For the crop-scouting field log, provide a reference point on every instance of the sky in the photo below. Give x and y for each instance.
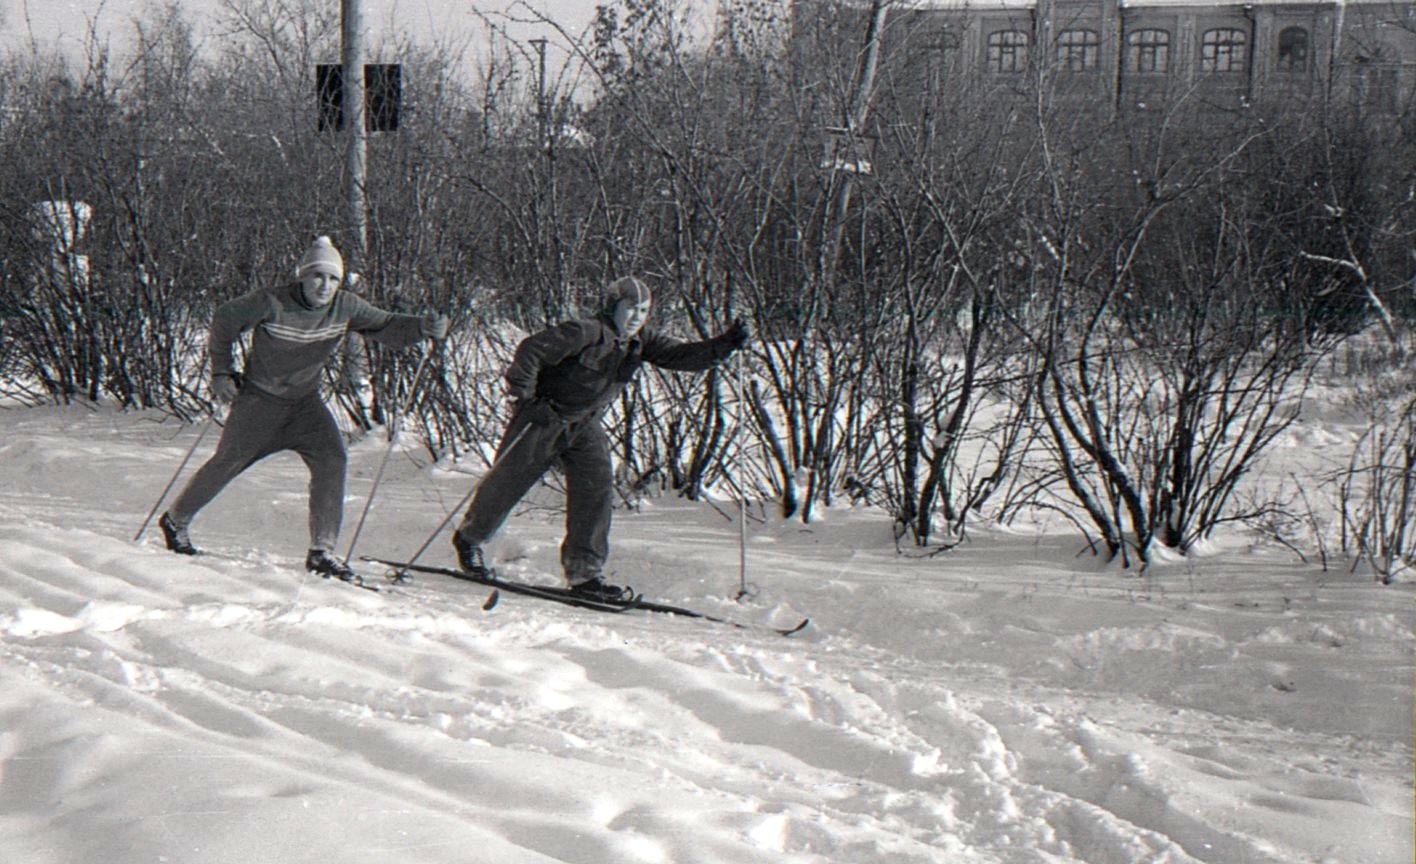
(65, 23)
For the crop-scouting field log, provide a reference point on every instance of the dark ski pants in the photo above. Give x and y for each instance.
(583, 451)
(260, 425)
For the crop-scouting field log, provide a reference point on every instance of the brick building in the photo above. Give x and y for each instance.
(1140, 54)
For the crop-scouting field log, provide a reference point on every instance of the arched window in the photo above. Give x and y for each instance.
(1222, 50)
(1293, 49)
(1148, 51)
(1007, 51)
(1078, 50)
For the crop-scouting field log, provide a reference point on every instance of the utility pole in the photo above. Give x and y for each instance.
(542, 112)
(549, 211)
(857, 113)
(352, 58)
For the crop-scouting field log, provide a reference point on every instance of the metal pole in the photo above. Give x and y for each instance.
(394, 421)
(462, 505)
(863, 87)
(178, 473)
(742, 488)
(542, 108)
(352, 35)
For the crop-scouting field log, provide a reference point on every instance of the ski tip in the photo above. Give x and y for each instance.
(490, 603)
(798, 628)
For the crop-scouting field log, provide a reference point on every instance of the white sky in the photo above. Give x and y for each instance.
(66, 23)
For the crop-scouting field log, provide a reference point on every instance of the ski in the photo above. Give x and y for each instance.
(356, 580)
(670, 609)
(489, 579)
(565, 595)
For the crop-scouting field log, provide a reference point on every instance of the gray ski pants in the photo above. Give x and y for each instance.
(260, 425)
(583, 451)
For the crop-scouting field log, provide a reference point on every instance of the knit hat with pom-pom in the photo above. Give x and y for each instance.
(321, 257)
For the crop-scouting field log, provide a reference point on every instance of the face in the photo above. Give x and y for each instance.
(630, 317)
(319, 287)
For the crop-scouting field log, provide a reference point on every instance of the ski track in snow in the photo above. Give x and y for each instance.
(991, 707)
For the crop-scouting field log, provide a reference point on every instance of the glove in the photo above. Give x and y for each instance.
(736, 336)
(224, 388)
(354, 282)
(539, 412)
(435, 326)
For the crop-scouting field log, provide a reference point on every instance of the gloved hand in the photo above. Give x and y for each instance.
(354, 282)
(539, 412)
(736, 336)
(435, 326)
(224, 388)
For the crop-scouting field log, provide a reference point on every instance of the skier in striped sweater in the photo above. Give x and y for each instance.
(276, 403)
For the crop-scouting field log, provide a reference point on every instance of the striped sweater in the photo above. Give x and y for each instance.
(292, 341)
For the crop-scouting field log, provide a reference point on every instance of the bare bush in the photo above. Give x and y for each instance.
(1049, 306)
(1378, 495)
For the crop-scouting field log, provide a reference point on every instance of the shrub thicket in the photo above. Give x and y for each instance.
(968, 299)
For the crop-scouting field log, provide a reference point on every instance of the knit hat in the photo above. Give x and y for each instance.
(626, 288)
(321, 257)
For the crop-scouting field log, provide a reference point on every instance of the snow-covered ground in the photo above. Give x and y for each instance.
(1009, 701)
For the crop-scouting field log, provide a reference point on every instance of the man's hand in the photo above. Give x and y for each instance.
(435, 327)
(539, 412)
(736, 336)
(224, 388)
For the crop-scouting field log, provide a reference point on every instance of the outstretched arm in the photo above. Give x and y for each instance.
(391, 328)
(694, 356)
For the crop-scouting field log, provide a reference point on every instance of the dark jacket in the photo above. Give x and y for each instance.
(581, 366)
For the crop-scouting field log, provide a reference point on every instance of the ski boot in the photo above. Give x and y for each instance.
(600, 591)
(469, 557)
(175, 536)
(321, 562)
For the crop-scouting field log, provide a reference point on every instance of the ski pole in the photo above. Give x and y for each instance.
(742, 490)
(178, 473)
(392, 442)
(461, 505)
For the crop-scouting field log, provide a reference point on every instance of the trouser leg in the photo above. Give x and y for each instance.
(313, 434)
(589, 502)
(247, 437)
(522, 458)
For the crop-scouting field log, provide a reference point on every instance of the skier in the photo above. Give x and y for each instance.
(275, 402)
(561, 381)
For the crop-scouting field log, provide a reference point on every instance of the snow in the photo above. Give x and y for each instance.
(1012, 700)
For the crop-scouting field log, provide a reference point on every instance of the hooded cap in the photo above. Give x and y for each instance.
(321, 257)
(626, 288)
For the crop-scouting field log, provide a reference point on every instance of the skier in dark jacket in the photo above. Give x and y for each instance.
(276, 404)
(562, 380)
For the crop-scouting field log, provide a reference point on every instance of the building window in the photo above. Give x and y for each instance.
(1078, 50)
(932, 59)
(1149, 51)
(947, 45)
(1374, 87)
(1007, 51)
(1293, 49)
(1222, 50)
